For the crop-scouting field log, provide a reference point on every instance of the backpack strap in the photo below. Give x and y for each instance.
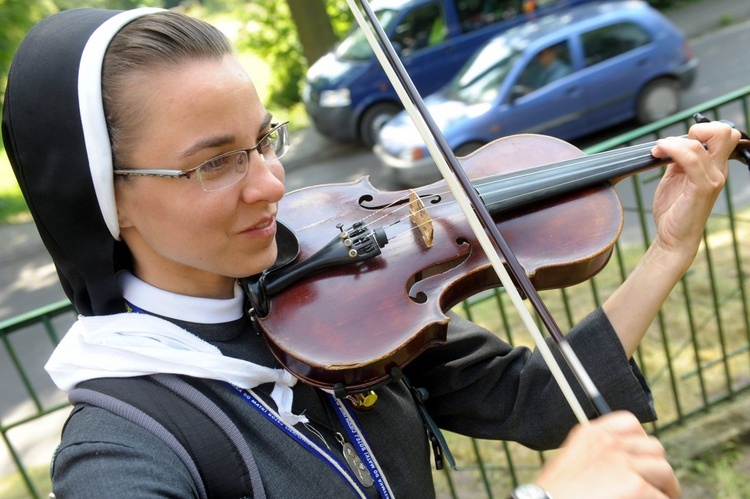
(201, 435)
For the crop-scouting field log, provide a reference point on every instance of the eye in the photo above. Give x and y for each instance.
(215, 167)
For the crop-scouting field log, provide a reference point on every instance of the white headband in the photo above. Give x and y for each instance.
(91, 107)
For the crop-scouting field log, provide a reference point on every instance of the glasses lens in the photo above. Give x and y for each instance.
(275, 144)
(281, 145)
(223, 171)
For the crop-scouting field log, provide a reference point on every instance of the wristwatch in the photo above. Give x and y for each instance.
(529, 491)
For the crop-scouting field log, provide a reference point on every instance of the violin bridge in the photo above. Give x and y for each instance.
(420, 218)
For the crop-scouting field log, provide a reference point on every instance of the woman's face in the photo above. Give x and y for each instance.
(182, 238)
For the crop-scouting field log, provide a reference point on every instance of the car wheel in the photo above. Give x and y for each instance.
(373, 120)
(657, 100)
(466, 149)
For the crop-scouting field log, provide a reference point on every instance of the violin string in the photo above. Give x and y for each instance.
(616, 167)
(622, 160)
(633, 153)
(472, 218)
(382, 214)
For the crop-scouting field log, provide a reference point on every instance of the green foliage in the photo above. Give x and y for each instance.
(16, 18)
(270, 32)
(111, 4)
(719, 472)
(341, 16)
(217, 7)
(13, 487)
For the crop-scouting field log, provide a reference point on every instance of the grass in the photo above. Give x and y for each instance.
(14, 487)
(687, 356)
(719, 473)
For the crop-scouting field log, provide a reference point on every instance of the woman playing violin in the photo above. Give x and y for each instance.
(154, 174)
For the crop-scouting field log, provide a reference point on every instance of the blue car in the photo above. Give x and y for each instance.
(347, 94)
(566, 75)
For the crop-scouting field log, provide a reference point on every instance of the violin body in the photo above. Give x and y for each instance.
(355, 326)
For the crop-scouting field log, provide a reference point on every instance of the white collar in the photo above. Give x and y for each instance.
(185, 308)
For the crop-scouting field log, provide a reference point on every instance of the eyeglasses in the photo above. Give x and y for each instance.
(229, 168)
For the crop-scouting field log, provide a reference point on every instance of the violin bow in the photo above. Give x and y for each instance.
(480, 221)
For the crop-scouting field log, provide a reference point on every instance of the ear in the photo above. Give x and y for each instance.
(123, 219)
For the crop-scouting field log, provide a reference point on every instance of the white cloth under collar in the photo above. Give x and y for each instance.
(131, 344)
(126, 345)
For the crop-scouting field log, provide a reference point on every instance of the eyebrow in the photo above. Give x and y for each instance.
(219, 141)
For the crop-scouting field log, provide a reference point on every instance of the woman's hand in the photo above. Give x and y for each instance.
(682, 203)
(612, 457)
(690, 186)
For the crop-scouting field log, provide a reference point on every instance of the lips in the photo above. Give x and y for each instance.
(263, 225)
(264, 228)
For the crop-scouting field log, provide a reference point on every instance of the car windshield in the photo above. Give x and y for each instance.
(480, 79)
(354, 46)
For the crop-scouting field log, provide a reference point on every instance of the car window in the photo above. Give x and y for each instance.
(355, 46)
(473, 14)
(480, 80)
(421, 27)
(548, 65)
(610, 41)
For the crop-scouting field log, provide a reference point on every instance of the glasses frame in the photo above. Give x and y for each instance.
(167, 173)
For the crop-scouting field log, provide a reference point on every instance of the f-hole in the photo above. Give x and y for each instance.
(437, 269)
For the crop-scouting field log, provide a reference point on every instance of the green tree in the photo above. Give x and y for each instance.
(313, 28)
(112, 4)
(289, 47)
(16, 18)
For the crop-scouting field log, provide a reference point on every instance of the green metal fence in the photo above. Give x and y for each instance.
(696, 355)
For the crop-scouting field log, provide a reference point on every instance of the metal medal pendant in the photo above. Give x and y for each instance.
(355, 463)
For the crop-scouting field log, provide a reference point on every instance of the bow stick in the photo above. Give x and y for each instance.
(479, 219)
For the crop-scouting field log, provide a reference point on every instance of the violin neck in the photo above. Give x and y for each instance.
(516, 189)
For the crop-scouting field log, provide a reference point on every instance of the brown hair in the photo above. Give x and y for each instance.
(162, 40)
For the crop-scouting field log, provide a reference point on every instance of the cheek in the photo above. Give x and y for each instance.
(170, 221)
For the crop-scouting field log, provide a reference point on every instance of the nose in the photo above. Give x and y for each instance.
(264, 180)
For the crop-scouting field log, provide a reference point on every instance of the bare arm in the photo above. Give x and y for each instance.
(684, 199)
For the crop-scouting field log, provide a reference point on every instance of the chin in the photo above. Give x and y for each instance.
(259, 262)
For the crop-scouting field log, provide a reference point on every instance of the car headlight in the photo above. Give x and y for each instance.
(335, 98)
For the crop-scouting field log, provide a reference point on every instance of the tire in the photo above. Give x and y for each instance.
(373, 120)
(659, 99)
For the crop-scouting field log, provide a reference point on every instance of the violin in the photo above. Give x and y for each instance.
(364, 278)
(370, 356)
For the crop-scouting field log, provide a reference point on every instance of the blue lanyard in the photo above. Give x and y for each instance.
(346, 418)
(356, 436)
(352, 429)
